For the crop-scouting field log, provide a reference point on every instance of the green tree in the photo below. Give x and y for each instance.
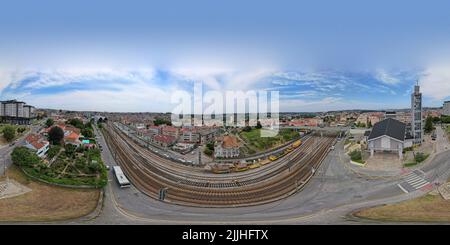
(428, 124)
(56, 135)
(22, 156)
(9, 133)
(87, 133)
(49, 122)
(160, 121)
(207, 151)
(258, 124)
(210, 146)
(77, 123)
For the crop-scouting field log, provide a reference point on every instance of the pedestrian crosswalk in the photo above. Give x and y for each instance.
(413, 181)
(3, 187)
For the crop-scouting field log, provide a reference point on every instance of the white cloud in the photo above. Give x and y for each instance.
(386, 78)
(133, 97)
(436, 82)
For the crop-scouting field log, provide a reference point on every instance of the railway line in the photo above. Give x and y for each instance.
(188, 173)
(283, 179)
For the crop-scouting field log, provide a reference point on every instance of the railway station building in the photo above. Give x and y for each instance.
(227, 147)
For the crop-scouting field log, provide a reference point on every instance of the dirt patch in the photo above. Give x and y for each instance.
(429, 208)
(45, 202)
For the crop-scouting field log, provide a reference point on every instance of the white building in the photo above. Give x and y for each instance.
(38, 143)
(388, 136)
(446, 108)
(416, 112)
(13, 111)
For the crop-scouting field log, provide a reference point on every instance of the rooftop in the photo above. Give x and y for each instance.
(390, 127)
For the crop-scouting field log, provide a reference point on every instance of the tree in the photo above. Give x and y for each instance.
(77, 123)
(160, 121)
(369, 125)
(428, 124)
(258, 124)
(87, 133)
(9, 133)
(210, 146)
(208, 152)
(55, 135)
(49, 122)
(22, 156)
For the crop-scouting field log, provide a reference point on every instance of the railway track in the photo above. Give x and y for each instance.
(194, 190)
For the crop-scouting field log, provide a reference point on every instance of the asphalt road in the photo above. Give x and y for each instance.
(5, 151)
(334, 192)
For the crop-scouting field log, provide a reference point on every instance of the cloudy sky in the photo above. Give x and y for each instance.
(132, 55)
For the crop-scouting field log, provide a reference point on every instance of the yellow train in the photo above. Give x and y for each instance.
(241, 167)
(273, 158)
(297, 143)
(221, 169)
(254, 165)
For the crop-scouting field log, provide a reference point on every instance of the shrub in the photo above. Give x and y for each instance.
(49, 122)
(9, 133)
(356, 155)
(208, 152)
(420, 157)
(22, 156)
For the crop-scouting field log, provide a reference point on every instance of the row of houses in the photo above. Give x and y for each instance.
(40, 144)
(169, 135)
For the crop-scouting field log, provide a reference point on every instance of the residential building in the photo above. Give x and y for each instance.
(189, 135)
(164, 140)
(154, 130)
(170, 131)
(38, 143)
(416, 112)
(308, 122)
(446, 108)
(390, 114)
(13, 111)
(227, 147)
(72, 139)
(388, 136)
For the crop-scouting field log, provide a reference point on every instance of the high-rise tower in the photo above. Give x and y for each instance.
(416, 114)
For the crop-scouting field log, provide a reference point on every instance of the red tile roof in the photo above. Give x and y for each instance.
(37, 141)
(164, 138)
(230, 142)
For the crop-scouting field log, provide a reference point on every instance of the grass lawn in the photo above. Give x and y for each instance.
(428, 208)
(45, 202)
(254, 139)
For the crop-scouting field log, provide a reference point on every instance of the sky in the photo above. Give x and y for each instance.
(133, 55)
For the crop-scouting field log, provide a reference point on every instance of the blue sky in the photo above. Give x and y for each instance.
(131, 55)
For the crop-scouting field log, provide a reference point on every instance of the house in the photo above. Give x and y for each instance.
(170, 131)
(227, 147)
(388, 136)
(164, 140)
(72, 139)
(38, 143)
(201, 135)
(189, 135)
(154, 130)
